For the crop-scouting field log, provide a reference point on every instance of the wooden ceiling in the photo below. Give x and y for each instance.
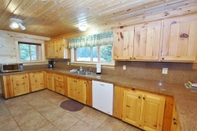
(56, 17)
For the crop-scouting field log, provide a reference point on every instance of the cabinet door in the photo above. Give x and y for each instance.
(20, 84)
(37, 81)
(81, 91)
(50, 81)
(118, 102)
(175, 121)
(123, 43)
(152, 112)
(50, 51)
(147, 41)
(132, 102)
(72, 90)
(179, 39)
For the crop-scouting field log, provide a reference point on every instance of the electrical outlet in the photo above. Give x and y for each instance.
(124, 67)
(164, 70)
(68, 63)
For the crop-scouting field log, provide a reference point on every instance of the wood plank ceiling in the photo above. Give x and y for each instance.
(56, 17)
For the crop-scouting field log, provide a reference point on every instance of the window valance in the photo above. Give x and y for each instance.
(92, 40)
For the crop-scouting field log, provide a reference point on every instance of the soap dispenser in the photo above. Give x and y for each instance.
(98, 68)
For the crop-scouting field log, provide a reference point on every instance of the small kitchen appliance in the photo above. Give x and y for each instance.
(50, 64)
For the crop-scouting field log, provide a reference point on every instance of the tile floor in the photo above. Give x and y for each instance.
(40, 111)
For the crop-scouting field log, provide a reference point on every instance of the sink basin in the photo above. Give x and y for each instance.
(74, 71)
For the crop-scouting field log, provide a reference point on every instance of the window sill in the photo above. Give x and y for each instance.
(34, 63)
(89, 64)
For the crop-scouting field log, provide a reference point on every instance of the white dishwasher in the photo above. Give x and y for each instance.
(102, 96)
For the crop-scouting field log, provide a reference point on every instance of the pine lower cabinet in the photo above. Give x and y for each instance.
(36, 81)
(50, 81)
(142, 109)
(77, 89)
(15, 85)
(175, 120)
(60, 84)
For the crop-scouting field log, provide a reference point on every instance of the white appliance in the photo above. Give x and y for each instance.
(102, 96)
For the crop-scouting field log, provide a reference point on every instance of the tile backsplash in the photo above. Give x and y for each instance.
(177, 72)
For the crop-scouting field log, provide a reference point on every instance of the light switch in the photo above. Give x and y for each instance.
(164, 70)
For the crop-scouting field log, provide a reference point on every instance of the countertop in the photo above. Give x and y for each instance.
(185, 100)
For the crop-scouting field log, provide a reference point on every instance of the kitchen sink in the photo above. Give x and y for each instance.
(80, 72)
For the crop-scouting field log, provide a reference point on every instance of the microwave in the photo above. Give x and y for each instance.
(11, 67)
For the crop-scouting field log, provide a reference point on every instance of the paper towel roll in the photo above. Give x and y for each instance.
(98, 68)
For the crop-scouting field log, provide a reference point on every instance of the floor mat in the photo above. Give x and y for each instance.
(71, 105)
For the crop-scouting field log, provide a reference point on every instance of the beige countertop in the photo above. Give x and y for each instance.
(186, 101)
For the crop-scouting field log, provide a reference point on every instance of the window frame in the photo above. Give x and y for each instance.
(32, 41)
(38, 51)
(74, 59)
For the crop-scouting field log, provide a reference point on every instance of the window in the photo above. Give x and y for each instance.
(29, 52)
(94, 54)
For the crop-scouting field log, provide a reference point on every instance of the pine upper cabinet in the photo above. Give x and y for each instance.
(143, 109)
(138, 43)
(36, 81)
(179, 39)
(49, 49)
(123, 43)
(57, 48)
(50, 81)
(77, 89)
(19, 84)
(147, 41)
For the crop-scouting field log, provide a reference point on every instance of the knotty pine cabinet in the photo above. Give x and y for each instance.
(179, 39)
(77, 89)
(15, 85)
(137, 43)
(60, 84)
(123, 43)
(36, 81)
(142, 109)
(175, 120)
(57, 48)
(50, 81)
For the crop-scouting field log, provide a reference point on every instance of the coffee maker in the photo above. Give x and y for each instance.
(50, 64)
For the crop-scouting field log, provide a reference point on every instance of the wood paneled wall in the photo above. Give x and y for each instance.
(9, 44)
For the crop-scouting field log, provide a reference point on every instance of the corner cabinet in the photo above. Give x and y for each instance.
(36, 81)
(139, 42)
(142, 109)
(179, 39)
(57, 48)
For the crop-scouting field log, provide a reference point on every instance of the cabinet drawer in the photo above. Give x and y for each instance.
(59, 77)
(59, 84)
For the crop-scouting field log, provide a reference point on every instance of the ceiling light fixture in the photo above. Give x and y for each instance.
(83, 27)
(16, 23)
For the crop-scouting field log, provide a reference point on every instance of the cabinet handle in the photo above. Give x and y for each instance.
(174, 119)
(143, 98)
(175, 123)
(162, 58)
(101, 85)
(139, 97)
